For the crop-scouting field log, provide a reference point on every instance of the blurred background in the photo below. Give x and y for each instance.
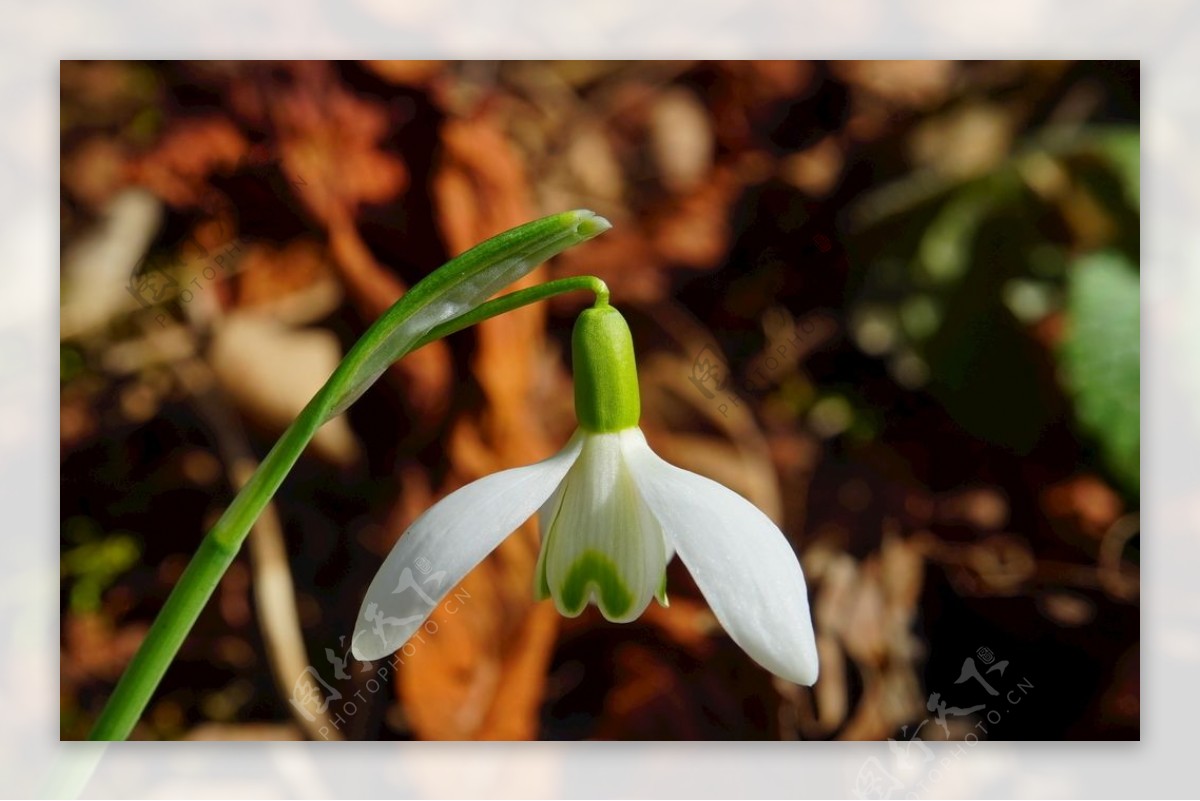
(895, 304)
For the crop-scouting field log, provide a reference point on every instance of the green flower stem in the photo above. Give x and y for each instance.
(216, 552)
(221, 545)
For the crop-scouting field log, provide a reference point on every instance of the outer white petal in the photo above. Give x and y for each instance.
(445, 543)
(741, 561)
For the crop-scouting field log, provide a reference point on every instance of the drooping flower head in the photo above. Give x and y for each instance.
(612, 514)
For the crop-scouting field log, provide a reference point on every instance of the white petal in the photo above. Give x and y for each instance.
(445, 543)
(602, 543)
(741, 561)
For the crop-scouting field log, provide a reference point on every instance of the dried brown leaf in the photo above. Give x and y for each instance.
(329, 143)
(178, 169)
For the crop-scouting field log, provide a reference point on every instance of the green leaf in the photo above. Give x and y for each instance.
(1122, 148)
(1100, 359)
(454, 289)
(945, 249)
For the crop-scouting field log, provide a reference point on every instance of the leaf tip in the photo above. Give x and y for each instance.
(589, 224)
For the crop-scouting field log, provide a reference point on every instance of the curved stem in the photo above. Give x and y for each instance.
(515, 300)
(221, 545)
(205, 570)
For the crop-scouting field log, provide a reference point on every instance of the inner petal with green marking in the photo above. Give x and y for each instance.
(600, 542)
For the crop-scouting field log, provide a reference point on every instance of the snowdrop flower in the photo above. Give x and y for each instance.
(612, 516)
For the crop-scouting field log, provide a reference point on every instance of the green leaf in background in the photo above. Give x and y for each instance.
(1122, 148)
(1100, 358)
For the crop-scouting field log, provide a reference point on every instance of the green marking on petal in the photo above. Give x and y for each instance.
(593, 571)
(661, 595)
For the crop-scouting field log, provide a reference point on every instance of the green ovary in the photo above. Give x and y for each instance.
(595, 572)
(606, 381)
